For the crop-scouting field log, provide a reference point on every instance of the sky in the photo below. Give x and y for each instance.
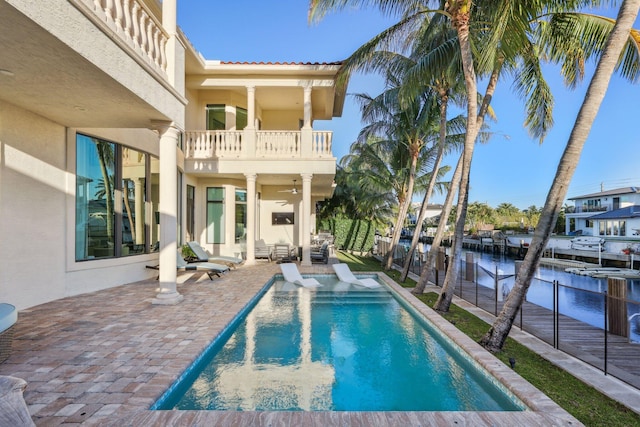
(511, 168)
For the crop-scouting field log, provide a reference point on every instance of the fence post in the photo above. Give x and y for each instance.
(556, 326)
(495, 293)
(469, 267)
(606, 344)
(617, 291)
(475, 281)
(460, 279)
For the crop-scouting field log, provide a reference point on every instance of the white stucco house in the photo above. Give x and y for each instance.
(119, 142)
(607, 214)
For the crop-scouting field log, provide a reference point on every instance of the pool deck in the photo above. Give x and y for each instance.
(103, 358)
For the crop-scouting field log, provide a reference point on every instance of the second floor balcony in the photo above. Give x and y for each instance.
(261, 144)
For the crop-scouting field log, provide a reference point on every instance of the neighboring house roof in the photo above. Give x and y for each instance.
(624, 213)
(615, 192)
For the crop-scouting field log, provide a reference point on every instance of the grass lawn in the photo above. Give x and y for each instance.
(582, 401)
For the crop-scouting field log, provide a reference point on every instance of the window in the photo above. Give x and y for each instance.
(112, 188)
(215, 215)
(95, 213)
(589, 223)
(191, 204)
(241, 216)
(241, 118)
(612, 228)
(216, 117)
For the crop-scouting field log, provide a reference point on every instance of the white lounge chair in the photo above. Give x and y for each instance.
(203, 255)
(345, 275)
(209, 267)
(291, 274)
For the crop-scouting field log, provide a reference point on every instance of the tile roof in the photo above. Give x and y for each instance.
(628, 212)
(624, 190)
(278, 63)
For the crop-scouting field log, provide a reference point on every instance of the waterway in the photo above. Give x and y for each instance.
(579, 297)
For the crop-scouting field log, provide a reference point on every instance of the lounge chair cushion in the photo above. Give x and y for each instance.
(202, 255)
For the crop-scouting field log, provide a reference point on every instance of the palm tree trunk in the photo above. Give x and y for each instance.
(127, 206)
(404, 207)
(425, 275)
(461, 22)
(432, 183)
(497, 334)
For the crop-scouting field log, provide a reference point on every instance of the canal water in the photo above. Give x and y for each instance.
(579, 297)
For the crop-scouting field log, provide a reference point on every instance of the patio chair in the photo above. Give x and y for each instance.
(208, 267)
(345, 275)
(204, 256)
(320, 254)
(282, 253)
(262, 250)
(292, 275)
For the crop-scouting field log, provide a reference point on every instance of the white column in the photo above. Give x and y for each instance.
(251, 218)
(169, 16)
(306, 133)
(173, 50)
(249, 143)
(306, 218)
(251, 107)
(168, 208)
(307, 107)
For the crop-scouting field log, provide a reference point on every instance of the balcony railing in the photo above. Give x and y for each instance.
(582, 209)
(216, 144)
(135, 25)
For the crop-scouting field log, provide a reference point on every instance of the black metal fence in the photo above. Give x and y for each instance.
(601, 328)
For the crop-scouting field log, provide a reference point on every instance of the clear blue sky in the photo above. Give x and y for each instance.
(511, 168)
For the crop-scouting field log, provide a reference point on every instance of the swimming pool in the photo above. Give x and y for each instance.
(335, 348)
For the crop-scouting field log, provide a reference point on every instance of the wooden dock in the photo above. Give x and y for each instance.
(576, 338)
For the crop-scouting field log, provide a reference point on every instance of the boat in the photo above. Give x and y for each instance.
(604, 272)
(588, 243)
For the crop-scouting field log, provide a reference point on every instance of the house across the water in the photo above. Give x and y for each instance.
(611, 214)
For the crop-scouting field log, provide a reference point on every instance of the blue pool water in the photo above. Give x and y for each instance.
(339, 348)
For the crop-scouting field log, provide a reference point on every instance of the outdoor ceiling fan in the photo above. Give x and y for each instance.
(293, 190)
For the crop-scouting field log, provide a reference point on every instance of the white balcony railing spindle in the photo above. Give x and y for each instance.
(136, 26)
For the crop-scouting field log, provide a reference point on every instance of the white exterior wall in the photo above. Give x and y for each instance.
(37, 213)
(274, 201)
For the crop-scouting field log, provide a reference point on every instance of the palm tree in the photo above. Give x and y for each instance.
(616, 43)
(507, 212)
(402, 122)
(517, 34)
(480, 214)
